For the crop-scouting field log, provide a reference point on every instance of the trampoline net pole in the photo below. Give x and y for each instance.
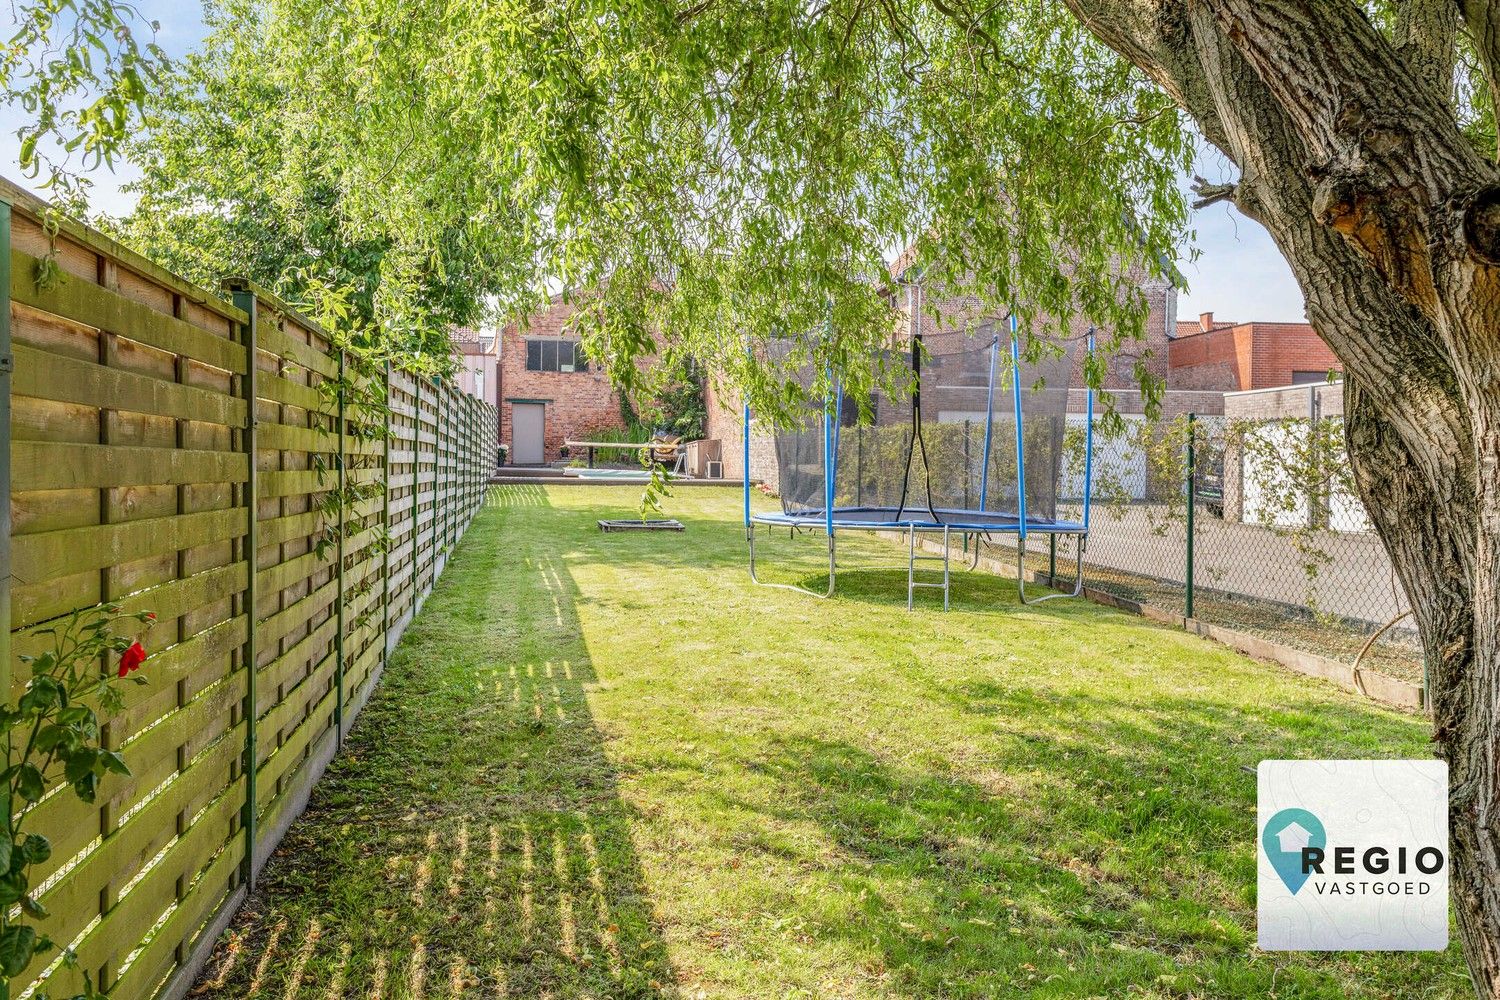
(745, 469)
(1016, 389)
(1088, 442)
(989, 423)
(827, 469)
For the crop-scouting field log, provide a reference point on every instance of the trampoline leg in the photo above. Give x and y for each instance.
(1077, 574)
(911, 565)
(946, 578)
(832, 566)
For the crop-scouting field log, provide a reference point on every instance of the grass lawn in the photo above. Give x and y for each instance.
(606, 765)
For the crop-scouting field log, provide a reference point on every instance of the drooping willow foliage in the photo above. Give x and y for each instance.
(700, 177)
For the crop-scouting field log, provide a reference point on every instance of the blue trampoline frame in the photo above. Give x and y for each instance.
(969, 524)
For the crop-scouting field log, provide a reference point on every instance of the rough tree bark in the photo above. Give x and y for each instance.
(1351, 157)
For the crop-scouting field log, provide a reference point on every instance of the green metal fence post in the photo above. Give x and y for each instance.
(244, 299)
(445, 469)
(416, 491)
(1192, 502)
(7, 366)
(338, 666)
(385, 519)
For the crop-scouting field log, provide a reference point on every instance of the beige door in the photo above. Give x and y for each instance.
(526, 423)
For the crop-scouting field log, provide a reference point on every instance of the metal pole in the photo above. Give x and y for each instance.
(1315, 503)
(7, 366)
(385, 519)
(828, 471)
(1015, 360)
(967, 475)
(1088, 448)
(416, 490)
(989, 422)
(745, 450)
(1192, 502)
(343, 480)
(829, 443)
(444, 472)
(244, 298)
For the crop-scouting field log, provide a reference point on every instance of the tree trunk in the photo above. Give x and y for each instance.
(1350, 156)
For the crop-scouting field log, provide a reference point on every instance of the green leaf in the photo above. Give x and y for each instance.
(12, 887)
(6, 845)
(37, 848)
(41, 695)
(29, 783)
(79, 763)
(32, 908)
(51, 736)
(17, 945)
(86, 787)
(74, 714)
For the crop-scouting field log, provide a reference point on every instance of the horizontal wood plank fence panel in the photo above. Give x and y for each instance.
(212, 458)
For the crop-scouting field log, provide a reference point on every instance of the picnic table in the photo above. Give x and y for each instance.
(675, 447)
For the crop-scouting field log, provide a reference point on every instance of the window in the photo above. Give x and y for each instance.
(554, 355)
(479, 383)
(1309, 378)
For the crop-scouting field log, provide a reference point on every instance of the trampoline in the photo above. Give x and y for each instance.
(981, 450)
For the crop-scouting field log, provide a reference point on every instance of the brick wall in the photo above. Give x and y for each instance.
(1213, 359)
(959, 315)
(1282, 348)
(1247, 356)
(724, 424)
(577, 403)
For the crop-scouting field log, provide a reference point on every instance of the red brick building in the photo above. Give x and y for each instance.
(547, 391)
(1232, 357)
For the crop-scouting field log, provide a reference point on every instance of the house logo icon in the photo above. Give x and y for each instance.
(1284, 838)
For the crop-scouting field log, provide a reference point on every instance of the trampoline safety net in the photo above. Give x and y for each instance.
(960, 455)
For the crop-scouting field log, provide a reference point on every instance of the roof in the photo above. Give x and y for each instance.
(1192, 327)
(467, 340)
(1189, 327)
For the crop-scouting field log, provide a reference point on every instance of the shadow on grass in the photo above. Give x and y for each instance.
(1113, 854)
(470, 840)
(871, 568)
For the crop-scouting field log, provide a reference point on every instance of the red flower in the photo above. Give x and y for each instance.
(132, 658)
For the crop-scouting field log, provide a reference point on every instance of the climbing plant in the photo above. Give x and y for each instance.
(52, 733)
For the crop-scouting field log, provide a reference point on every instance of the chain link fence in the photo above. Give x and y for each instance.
(1249, 521)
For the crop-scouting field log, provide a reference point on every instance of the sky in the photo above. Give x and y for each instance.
(1239, 274)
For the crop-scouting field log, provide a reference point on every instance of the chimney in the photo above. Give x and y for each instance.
(1206, 321)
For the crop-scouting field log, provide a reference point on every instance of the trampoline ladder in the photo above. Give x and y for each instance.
(911, 568)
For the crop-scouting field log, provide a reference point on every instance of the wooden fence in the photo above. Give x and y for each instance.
(200, 456)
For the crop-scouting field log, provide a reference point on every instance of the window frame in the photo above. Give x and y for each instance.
(565, 355)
